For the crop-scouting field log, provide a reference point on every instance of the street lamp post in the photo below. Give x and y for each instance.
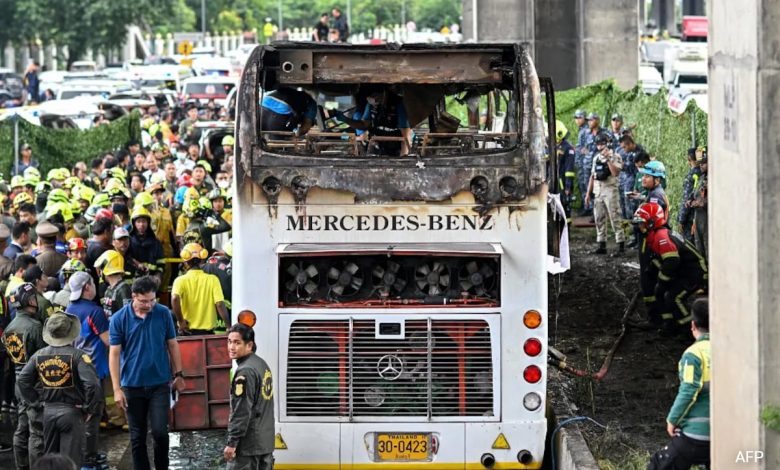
(281, 21)
(203, 21)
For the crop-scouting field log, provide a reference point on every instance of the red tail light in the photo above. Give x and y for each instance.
(532, 347)
(532, 374)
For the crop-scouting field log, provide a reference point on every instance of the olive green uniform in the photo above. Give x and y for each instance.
(22, 339)
(251, 422)
(70, 390)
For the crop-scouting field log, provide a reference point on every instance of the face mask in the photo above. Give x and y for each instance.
(223, 184)
(181, 155)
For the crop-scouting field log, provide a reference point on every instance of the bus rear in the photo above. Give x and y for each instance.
(400, 300)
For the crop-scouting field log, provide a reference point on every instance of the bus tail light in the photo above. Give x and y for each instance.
(532, 374)
(532, 347)
(532, 319)
(532, 401)
(248, 318)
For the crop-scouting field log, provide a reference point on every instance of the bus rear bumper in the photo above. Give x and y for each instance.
(350, 446)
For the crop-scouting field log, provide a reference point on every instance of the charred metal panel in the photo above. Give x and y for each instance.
(419, 67)
(493, 178)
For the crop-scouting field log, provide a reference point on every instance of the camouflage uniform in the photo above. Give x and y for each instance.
(685, 214)
(588, 144)
(582, 184)
(607, 203)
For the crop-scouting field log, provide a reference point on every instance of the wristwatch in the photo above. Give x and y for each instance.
(178, 374)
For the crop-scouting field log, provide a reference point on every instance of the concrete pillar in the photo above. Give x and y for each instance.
(557, 41)
(609, 41)
(499, 20)
(744, 228)
(48, 57)
(693, 7)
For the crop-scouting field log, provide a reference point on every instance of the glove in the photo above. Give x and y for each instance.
(211, 222)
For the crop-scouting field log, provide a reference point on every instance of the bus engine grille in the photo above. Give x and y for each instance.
(439, 368)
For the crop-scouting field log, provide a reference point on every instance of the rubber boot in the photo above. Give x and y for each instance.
(620, 251)
(601, 250)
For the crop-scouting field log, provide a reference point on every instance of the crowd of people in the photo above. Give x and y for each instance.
(137, 230)
(621, 183)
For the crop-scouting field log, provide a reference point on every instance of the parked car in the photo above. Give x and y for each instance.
(206, 88)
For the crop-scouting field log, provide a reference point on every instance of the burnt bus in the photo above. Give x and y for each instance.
(400, 297)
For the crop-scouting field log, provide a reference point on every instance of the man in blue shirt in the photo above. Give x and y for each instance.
(286, 109)
(142, 337)
(94, 341)
(383, 116)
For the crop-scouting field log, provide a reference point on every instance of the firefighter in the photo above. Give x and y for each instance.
(69, 384)
(118, 291)
(62, 297)
(603, 184)
(566, 170)
(22, 339)
(250, 434)
(162, 226)
(671, 269)
(688, 421)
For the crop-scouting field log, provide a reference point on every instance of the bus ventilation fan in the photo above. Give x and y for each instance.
(302, 283)
(345, 281)
(476, 278)
(432, 278)
(373, 280)
(387, 279)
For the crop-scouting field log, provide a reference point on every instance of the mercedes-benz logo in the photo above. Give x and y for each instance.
(390, 367)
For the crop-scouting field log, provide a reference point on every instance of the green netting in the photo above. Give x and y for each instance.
(55, 148)
(663, 134)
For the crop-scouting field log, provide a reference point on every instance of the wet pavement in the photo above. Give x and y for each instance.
(192, 450)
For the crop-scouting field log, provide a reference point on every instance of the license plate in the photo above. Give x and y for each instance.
(402, 447)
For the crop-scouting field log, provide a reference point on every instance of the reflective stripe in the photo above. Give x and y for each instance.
(570, 174)
(649, 298)
(703, 419)
(684, 320)
(671, 254)
(680, 302)
(663, 277)
(667, 316)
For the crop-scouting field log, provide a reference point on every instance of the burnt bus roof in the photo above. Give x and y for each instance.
(425, 73)
(461, 65)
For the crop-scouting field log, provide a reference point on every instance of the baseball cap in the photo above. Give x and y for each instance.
(120, 232)
(593, 116)
(579, 114)
(25, 146)
(77, 282)
(617, 117)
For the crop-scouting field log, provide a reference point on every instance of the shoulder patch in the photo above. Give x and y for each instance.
(238, 385)
(268, 385)
(86, 358)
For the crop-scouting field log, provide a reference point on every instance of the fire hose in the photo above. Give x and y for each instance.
(558, 359)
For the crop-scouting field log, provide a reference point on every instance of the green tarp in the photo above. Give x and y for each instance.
(54, 148)
(665, 135)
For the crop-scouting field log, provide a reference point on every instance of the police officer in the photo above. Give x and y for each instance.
(588, 151)
(604, 185)
(22, 339)
(49, 260)
(70, 388)
(250, 439)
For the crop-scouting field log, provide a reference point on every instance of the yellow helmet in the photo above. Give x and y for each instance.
(83, 192)
(111, 262)
(31, 171)
(101, 200)
(143, 199)
(560, 131)
(31, 180)
(190, 193)
(21, 199)
(140, 211)
(192, 251)
(71, 182)
(17, 181)
(62, 208)
(190, 207)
